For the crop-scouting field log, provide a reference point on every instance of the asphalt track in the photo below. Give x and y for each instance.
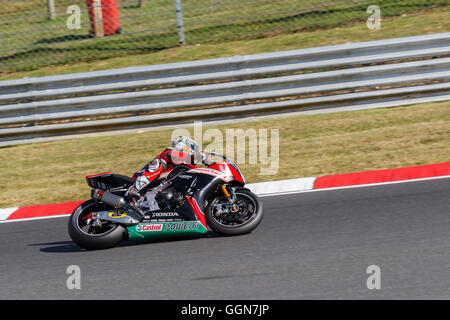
(313, 245)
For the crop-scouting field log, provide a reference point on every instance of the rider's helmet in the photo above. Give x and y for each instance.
(186, 144)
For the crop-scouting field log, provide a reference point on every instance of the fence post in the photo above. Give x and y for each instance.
(98, 19)
(51, 9)
(180, 25)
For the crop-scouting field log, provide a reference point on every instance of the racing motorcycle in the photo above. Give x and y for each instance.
(188, 200)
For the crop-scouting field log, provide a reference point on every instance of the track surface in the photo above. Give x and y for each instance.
(314, 245)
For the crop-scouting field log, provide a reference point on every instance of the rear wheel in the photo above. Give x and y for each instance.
(240, 217)
(90, 234)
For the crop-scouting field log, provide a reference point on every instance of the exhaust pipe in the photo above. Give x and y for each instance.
(108, 198)
(117, 202)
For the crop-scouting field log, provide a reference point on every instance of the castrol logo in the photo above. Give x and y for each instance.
(148, 227)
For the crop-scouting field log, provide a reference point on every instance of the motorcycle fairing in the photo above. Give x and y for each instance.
(194, 224)
(195, 187)
(155, 230)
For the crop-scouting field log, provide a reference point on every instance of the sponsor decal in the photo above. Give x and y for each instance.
(168, 226)
(177, 226)
(164, 214)
(148, 227)
(117, 214)
(213, 172)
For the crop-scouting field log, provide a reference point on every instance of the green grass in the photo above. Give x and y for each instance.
(33, 42)
(312, 145)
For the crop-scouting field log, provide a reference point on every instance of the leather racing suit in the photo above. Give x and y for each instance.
(164, 162)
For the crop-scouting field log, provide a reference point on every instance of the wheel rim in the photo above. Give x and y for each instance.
(85, 222)
(247, 209)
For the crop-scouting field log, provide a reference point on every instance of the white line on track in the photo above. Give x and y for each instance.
(36, 218)
(354, 186)
(5, 213)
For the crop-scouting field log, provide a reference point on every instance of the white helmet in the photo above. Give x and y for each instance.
(185, 144)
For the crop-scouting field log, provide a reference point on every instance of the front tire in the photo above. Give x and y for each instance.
(234, 229)
(106, 238)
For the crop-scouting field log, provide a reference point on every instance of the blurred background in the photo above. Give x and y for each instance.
(36, 33)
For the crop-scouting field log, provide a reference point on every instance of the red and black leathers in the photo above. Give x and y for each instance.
(164, 162)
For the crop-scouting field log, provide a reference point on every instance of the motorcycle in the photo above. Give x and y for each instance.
(188, 200)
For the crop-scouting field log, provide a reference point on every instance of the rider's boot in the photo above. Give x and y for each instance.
(130, 207)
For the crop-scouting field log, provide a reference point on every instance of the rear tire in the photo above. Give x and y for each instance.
(246, 227)
(93, 241)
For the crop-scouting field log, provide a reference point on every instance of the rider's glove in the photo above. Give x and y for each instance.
(206, 160)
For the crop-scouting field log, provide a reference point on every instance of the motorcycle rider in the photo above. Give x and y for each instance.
(183, 151)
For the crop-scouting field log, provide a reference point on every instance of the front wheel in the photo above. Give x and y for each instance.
(90, 235)
(239, 217)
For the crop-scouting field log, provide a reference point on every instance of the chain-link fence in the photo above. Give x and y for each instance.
(37, 33)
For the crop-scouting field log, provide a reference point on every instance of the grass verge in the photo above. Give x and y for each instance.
(423, 22)
(312, 145)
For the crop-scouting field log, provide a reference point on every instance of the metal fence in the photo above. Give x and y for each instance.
(350, 76)
(36, 33)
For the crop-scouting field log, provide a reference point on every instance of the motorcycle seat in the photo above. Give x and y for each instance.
(110, 180)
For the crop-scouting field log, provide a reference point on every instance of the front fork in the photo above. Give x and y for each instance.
(230, 196)
(225, 192)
